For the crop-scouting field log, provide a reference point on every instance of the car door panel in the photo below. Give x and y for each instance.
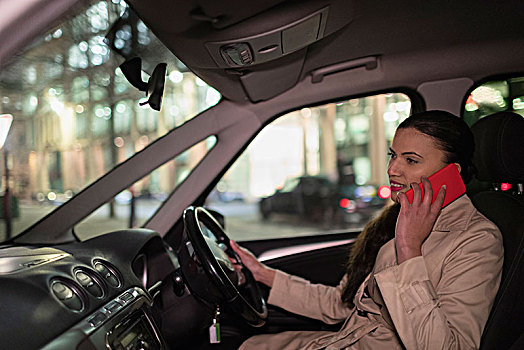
(318, 265)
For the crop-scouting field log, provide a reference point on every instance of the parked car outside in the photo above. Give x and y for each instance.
(309, 197)
(318, 199)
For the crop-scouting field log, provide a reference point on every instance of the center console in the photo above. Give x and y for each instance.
(124, 323)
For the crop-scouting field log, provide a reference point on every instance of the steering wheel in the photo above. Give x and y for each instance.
(207, 248)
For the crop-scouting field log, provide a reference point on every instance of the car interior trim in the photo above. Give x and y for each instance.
(16, 259)
(442, 94)
(370, 62)
(281, 252)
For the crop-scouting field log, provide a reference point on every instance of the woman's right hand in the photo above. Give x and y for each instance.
(415, 220)
(261, 272)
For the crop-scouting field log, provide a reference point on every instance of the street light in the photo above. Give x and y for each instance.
(5, 125)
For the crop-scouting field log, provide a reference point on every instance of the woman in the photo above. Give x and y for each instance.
(418, 277)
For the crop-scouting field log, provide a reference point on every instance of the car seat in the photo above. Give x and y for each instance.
(499, 158)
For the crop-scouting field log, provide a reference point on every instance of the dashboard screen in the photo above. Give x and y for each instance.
(135, 333)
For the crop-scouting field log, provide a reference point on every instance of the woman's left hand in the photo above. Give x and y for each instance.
(261, 272)
(416, 220)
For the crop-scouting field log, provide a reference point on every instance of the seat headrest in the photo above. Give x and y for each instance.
(499, 148)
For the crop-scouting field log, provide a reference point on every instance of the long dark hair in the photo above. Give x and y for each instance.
(451, 135)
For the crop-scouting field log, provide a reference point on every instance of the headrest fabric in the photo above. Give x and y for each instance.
(499, 148)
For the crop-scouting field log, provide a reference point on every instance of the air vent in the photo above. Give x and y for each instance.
(67, 292)
(108, 272)
(90, 282)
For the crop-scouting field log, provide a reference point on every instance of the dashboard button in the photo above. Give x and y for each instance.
(108, 275)
(67, 294)
(62, 291)
(89, 283)
(83, 278)
(113, 307)
(74, 303)
(126, 297)
(95, 290)
(113, 281)
(97, 319)
(104, 271)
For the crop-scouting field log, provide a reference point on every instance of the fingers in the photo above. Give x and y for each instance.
(437, 204)
(236, 264)
(247, 258)
(417, 193)
(428, 190)
(234, 245)
(238, 249)
(238, 268)
(260, 272)
(424, 195)
(403, 199)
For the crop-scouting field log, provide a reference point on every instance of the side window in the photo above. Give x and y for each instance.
(314, 170)
(134, 206)
(495, 96)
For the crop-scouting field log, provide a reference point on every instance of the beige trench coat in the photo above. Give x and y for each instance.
(440, 300)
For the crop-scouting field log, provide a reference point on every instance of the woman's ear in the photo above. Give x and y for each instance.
(458, 166)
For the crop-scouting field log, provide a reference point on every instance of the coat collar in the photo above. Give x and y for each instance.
(454, 217)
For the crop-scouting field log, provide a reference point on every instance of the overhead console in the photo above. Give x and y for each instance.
(270, 45)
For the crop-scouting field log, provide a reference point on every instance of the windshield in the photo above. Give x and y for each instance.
(70, 115)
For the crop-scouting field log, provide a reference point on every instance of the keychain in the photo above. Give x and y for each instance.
(214, 329)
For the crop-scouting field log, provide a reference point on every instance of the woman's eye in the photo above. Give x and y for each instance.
(411, 161)
(392, 155)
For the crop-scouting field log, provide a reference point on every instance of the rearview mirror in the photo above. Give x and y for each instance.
(154, 88)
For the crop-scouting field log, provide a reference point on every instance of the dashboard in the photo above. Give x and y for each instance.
(97, 294)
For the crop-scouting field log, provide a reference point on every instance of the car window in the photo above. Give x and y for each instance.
(75, 116)
(315, 170)
(289, 185)
(134, 206)
(488, 98)
(495, 96)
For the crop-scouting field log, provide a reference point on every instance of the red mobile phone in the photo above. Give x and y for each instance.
(449, 176)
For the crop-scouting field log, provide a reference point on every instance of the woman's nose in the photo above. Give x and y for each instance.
(393, 168)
